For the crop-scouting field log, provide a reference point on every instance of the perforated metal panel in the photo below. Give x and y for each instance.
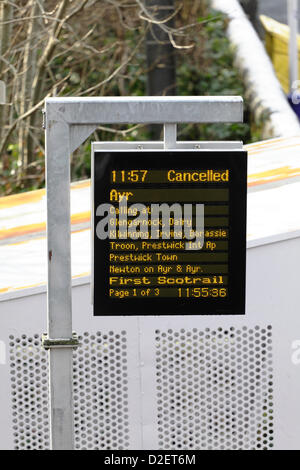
(193, 382)
(100, 392)
(29, 392)
(215, 388)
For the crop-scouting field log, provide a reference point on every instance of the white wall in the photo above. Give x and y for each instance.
(273, 298)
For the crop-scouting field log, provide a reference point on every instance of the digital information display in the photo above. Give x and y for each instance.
(169, 232)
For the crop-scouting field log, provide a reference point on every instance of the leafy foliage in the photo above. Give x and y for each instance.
(214, 74)
(101, 51)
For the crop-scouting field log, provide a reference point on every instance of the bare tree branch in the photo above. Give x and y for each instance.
(116, 71)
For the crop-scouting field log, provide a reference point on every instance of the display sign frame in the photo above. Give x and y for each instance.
(140, 157)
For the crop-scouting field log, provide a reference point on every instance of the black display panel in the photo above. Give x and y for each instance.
(169, 232)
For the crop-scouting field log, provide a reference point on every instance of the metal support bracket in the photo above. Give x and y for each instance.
(68, 123)
(49, 343)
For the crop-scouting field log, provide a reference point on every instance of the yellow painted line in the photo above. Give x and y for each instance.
(283, 172)
(268, 143)
(273, 180)
(21, 198)
(30, 286)
(255, 152)
(81, 230)
(82, 217)
(26, 241)
(81, 184)
(279, 174)
(43, 238)
(6, 289)
(81, 275)
(30, 197)
(22, 230)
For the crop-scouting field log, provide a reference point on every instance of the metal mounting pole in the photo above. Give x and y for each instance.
(59, 283)
(293, 43)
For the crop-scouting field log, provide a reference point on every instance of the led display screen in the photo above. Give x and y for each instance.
(169, 231)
